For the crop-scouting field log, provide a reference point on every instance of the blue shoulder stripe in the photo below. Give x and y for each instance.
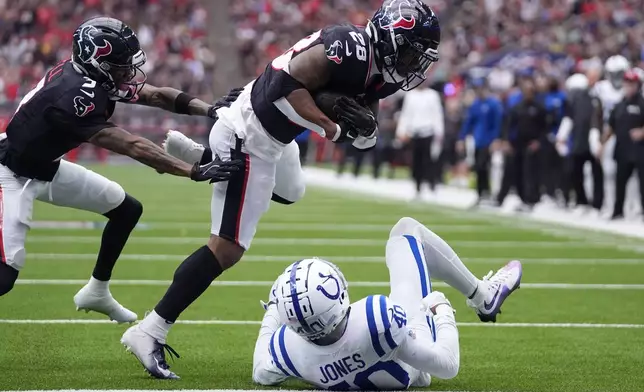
(385, 321)
(287, 359)
(274, 355)
(373, 328)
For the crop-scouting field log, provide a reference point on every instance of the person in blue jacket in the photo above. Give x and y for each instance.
(483, 121)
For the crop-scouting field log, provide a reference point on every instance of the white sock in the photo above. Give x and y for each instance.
(155, 326)
(99, 286)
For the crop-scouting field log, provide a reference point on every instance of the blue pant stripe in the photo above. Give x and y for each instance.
(425, 282)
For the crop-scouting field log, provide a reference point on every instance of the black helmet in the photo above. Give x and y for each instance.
(108, 51)
(406, 35)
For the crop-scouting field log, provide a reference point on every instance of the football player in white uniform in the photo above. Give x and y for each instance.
(312, 332)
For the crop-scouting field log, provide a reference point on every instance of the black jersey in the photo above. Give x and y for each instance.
(350, 58)
(64, 110)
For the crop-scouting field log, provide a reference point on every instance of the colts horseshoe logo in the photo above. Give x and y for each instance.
(326, 293)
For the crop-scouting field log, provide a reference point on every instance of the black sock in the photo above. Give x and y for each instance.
(8, 276)
(122, 221)
(191, 279)
(206, 157)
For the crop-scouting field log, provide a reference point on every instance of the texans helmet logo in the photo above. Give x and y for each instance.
(333, 53)
(89, 47)
(392, 19)
(82, 108)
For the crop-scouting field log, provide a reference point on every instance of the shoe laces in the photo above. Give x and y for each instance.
(495, 280)
(159, 354)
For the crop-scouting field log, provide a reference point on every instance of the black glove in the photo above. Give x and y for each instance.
(224, 101)
(357, 117)
(216, 171)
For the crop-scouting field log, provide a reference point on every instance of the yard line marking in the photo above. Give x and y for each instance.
(252, 322)
(310, 226)
(335, 259)
(252, 283)
(343, 242)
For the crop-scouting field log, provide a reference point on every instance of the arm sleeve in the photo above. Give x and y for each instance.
(82, 128)
(265, 372)
(440, 358)
(79, 113)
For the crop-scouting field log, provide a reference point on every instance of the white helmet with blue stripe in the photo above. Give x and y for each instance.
(312, 297)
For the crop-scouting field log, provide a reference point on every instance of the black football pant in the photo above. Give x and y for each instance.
(553, 169)
(577, 179)
(422, 167)
(482, 159)
(624, 172)
(523, 171)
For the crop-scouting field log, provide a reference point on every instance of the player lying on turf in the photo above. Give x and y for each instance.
(72, 104)
(310, 330)
(393, 52)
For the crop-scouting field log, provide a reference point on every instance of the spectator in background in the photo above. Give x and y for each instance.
(385, 151)
(530, 121)
(302, 141)
(626, 122)
(421, 126)
(553, 99)
(578, 138)
(483, 120)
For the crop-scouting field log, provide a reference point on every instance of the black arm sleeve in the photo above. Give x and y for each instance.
(81, 128)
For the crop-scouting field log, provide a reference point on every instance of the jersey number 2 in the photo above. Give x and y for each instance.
(362, 381)
(361, 51)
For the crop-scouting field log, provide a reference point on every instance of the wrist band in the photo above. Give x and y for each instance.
(338, 133)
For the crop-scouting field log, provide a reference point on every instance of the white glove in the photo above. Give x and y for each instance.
(272, 299)
(430, 304)
(363, 143)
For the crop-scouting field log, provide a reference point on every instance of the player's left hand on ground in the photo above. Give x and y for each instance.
(216, 171)
(358, 117)
(430, 303)
(224, 102)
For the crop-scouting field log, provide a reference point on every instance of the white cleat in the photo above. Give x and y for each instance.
(496, 289)
(182, 147)
(88, 300)
(149, 352)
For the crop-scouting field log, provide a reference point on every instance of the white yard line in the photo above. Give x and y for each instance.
(337, 242)
(252, 283)
(403, 190)
(309, 226)
(336, 259)
(251, 322)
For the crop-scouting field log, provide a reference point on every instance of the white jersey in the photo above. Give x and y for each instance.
(376, 352)
(609, 96)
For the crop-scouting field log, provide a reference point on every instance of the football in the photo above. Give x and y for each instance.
(325, 100)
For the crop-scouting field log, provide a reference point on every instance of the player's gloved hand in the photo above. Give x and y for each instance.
(357, 117)
(430, 304)
(216, 171)
(365, 144)
(224, 101)
(272, 298)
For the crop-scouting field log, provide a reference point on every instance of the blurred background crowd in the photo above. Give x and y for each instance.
(500, 61)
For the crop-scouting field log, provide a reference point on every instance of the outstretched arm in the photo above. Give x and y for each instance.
(172, 100)
(265, 372)
(143, 150)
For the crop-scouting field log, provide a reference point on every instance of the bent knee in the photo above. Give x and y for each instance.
(227, 252)
(405, 225)
(289, 197)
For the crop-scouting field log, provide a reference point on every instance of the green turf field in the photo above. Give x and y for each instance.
(570, 278)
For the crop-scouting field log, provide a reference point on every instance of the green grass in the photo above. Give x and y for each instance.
(68, 356)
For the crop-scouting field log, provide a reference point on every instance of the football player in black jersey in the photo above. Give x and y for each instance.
(72, 104)
(393, 52)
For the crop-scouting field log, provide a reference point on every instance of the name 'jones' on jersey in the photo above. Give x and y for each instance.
(349, 54)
